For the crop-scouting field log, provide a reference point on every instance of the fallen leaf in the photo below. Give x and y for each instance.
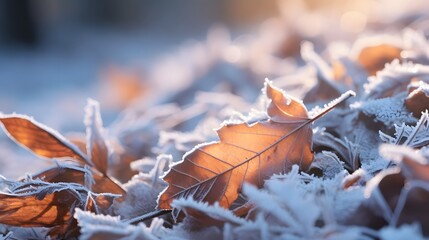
(102, 184)
(344, 149)
(37, 211)
(216, 172)
(398, 195)
(417, 100)
(39, 139)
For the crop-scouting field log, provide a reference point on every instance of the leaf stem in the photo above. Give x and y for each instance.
(333, 104)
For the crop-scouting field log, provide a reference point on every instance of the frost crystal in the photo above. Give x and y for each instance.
(413, 136)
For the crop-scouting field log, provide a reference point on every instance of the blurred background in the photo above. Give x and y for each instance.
(132, 55)
(55, 54)
(60, 50)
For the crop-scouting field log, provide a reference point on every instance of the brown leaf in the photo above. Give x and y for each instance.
(373, 58)
(415, 208)
(344, 149)
(413, 165)
(39, 139)
(417, 100)
(96, 145)
(397, 195)
(33, 211)
(216, 172)
(101, 184)
(405, 200)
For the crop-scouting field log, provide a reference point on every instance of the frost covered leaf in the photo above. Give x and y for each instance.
(387, 111)
(326, 86)
(207, 215)
(394, 79)
(346, 151)
(46, 142)
(108, 227)
(95, 182)
(216, 172)
(96, 146)
(326, 164)
(413, 165)
(36, 211)
(52, 209)
(35, 203)
(373, 58)
(414, 136)
(39, 139)
(398, 195)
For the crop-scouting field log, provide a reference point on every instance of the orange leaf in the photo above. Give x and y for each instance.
(373, 58)
(31, 211)
(215, 172)
(40, 139)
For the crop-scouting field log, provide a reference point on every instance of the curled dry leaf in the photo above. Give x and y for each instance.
(39, 139)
